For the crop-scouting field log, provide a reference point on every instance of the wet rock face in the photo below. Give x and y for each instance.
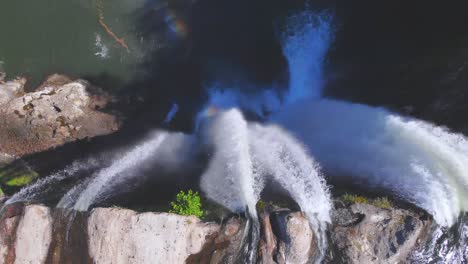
(367, 234)
(59, 111)
(223, 246)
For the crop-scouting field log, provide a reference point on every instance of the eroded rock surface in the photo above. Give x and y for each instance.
(59, 111)
(375, 235)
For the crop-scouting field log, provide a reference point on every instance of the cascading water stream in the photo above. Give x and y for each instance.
(305, 40)
(229, 178)
(230, 164)
(118, 169)
(41, 187)
(274, 154)
(417, 161)
(281, 157)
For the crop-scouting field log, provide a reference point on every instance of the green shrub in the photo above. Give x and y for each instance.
(187, 204)
(383, 203)
(351, 198)
(261, 205)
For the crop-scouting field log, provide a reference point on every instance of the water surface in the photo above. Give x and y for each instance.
(77, 37)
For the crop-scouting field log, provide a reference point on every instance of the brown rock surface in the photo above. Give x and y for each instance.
(59, 111)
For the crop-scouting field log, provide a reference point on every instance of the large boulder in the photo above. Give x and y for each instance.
(124, 236)
(364, 233)
(59, 111)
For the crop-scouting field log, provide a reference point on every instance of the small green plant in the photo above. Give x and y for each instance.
(351, 198)
(383, 203)
(187, 204)
(261, 205)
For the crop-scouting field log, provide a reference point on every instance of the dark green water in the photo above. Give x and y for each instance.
(40, 37)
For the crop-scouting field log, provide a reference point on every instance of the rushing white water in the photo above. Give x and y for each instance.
(119, 169)
(422, 163)
(445, 245)
(229, 178)
(419, 162)
(305, 42)
(37, 189)
(245, 156)
(283, 158)
(273, 154)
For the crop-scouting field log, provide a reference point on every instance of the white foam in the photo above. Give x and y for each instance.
(102, 49)
(305, 42)
(422, 163)
(229, 178)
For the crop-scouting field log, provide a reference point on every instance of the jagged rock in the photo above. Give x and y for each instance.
(296, 240)
(58, 112)
(381, 235)
(124, 236)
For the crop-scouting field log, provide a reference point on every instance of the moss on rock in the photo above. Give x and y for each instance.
(15, 176)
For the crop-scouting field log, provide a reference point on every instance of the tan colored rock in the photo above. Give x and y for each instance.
(47, 118)
(33, 236)
(124, 236)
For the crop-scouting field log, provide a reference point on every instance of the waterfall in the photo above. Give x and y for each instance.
(305, 40)
(126, 165)
(284, 159)
(245, 156)
(229, 178)
(417, 161)
(44, 185)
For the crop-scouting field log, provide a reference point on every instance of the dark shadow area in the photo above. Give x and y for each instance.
(408, 56)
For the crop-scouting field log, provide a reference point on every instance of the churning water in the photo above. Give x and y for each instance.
(419, 162)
